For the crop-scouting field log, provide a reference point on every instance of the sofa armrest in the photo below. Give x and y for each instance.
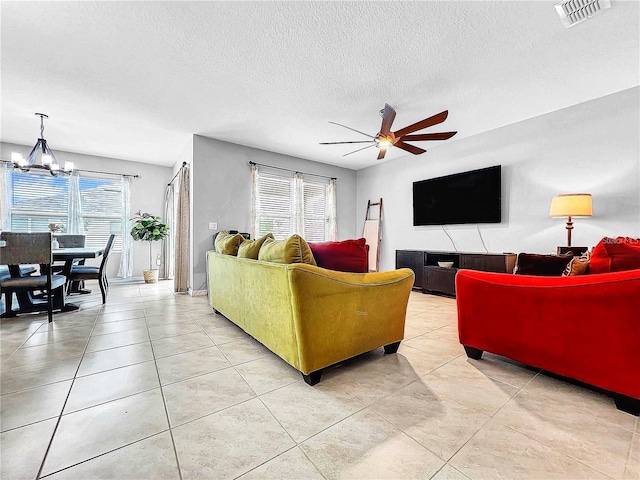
(584, 327)
(339, 315)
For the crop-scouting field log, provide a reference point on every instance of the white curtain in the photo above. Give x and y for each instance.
(5, 196)
(332, 224)
(167, 266)
(255, 177)
(182, 233)
(74, 207)
(126, 260)
(298, 204)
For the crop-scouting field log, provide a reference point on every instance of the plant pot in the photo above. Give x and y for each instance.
(150, 276)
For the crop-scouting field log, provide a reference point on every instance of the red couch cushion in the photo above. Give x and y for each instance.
(345, 256)
(615, 255)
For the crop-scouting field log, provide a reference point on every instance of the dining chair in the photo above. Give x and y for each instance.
(25, 249)
(87, 272)
(70, 240)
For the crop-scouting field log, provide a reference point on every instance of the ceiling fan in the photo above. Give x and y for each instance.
(386, 138)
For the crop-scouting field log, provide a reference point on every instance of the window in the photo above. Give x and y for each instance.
(284, 205)
(101, 201)
(40, 199)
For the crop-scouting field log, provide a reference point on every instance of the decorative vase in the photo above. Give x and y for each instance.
(54, 244)
(150, 276)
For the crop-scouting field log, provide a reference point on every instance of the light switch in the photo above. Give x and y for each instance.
(213, 225)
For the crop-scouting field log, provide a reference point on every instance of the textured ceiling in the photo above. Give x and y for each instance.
(135, 80)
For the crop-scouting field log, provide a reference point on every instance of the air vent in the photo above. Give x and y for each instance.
(575, 11)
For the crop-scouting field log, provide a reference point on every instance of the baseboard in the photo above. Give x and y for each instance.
(197, 293)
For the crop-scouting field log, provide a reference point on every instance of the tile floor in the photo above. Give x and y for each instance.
(154, 385)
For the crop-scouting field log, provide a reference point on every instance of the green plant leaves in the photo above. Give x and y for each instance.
(148, 227)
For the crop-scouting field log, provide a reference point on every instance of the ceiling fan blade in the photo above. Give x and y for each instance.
(429, 136)
(382, 152)
(357, 131)
(427, 122)
(364, 148)
(409, 148)
(387, 119)
(337, 143)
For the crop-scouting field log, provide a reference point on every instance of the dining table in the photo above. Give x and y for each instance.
(27, 303)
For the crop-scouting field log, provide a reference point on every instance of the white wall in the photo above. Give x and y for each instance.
(147, 194)
(221, 180)
(588, 148)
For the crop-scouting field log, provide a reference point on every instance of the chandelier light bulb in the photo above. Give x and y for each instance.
(47, 160)
(16, 157)
(68, 166)
(54, 167)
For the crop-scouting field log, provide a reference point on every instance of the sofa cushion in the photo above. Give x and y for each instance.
(251, 248)
(543, 265)
(228, 244)
(615, 255)
(291, 250)
(345, 256)
(577, 266)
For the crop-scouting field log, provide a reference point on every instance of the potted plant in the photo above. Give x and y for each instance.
(149, 228)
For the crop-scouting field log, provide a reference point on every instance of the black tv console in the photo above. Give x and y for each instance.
(432, 278)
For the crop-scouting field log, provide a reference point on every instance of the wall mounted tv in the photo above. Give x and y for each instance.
(468, 197)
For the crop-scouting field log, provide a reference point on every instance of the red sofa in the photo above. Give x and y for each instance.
(584, 327)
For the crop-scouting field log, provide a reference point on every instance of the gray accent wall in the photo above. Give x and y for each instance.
(592, 148)
(147, 194)
(221, 192)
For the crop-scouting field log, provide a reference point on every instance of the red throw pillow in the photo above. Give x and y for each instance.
(345, 256)
(615, 255)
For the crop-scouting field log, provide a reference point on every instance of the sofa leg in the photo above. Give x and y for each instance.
(312, 378)
(391, 348)
(472, 352)
(627, 404)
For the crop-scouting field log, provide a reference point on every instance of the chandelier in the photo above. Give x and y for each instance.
(48, 160)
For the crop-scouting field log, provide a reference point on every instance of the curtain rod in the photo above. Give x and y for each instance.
(184, 164)
(93, 171)
(294, 171)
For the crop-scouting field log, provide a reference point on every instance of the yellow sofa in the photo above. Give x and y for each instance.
(310, 316)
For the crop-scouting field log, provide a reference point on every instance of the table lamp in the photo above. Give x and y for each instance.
(571, 205)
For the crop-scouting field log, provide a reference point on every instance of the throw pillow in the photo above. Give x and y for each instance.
(345, 256)
(227, 243)
(615, 255)
(577, 266)
(251, 248)
(291, 250)
(543, 265)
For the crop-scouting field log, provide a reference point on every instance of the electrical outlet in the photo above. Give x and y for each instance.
(213, 225)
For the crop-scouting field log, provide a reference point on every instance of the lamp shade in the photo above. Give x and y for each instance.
(571, 205)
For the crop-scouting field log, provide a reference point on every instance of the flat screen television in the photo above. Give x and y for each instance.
(468, 197)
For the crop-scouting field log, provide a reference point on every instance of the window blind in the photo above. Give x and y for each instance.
(102, 207)
(275, 200)
(40, 199)
(37, 201)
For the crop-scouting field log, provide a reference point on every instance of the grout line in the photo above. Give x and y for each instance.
(164, 403)
(55, 429)
(103, 454)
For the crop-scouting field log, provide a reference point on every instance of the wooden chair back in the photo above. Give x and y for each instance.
(25, 248)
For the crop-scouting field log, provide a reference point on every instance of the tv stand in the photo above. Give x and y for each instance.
(432, 278)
